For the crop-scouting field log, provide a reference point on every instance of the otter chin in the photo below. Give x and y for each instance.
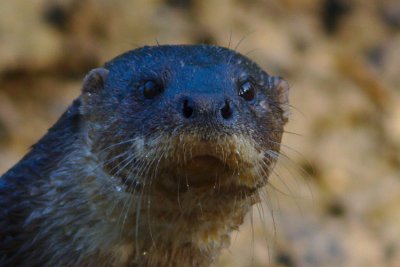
(156, 163)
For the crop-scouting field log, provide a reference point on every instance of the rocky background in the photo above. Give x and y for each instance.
(334, 199)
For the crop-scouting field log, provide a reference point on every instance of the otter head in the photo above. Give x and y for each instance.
(178, 118)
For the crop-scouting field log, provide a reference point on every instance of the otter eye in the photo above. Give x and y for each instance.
(246, 90)
(151, 89)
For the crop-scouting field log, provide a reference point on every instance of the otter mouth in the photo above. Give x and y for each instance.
(204, 162)
(203, 170)
(189, 163)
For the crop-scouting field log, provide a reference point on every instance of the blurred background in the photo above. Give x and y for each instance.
(334, 199)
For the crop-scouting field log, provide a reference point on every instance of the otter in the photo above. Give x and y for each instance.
(156, 163)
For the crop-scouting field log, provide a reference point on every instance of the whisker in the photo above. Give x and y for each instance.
(242, 39)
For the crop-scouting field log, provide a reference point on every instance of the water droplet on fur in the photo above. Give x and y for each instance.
(145, 253)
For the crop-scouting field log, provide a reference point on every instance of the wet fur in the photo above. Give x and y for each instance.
(104, 186)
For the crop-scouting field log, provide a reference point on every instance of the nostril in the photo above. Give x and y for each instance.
(226, 111)
(187, 109)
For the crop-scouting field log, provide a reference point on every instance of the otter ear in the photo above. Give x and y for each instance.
(93, 84)
(282, 88)
(94, 81)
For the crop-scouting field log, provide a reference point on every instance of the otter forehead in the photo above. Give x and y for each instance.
(196, 67)
(182, 55)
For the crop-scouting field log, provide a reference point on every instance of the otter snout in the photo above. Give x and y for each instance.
(207, 108)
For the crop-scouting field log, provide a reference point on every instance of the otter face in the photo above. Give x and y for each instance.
(180, 117)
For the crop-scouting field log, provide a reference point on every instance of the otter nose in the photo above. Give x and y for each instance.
(188, 108)
(226, 110)
(193, 107)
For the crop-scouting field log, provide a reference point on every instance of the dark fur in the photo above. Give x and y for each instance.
(61, 205)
